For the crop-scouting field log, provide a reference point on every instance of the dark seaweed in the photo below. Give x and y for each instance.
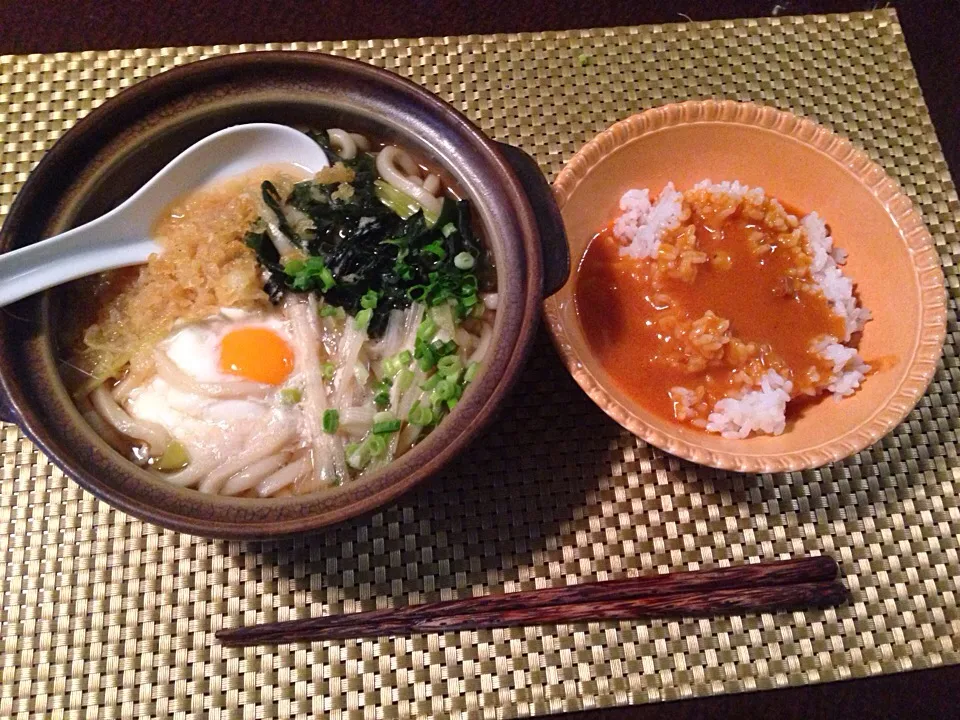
(272, 199)
(367, 247)
(269, 258)
(321, 139)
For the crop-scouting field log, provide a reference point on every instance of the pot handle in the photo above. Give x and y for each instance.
(553, 238)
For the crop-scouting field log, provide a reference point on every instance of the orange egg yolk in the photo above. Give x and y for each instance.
(257, 354)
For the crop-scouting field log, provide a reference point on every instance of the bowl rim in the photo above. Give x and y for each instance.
(479, 410)
(926, 263)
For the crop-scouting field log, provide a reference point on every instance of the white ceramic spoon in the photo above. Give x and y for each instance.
(122, 236)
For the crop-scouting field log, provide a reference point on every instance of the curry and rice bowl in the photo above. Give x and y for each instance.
(295, 332)
(717, 307)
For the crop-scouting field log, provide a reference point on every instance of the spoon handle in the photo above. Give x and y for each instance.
(85, 250)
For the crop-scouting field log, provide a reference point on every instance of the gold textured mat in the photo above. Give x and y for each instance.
(104, 616)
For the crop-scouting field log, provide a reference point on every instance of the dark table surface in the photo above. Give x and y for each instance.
(932, 31)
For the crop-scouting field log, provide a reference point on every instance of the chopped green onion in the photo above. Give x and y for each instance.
(420, 415)
(362, 319)
(441, 348)
(387, 427)
(436, 249)
(430, 217)
(290, 396)
(382, 397)
(464, 261)
(326, 277)
(449, 365)
(331, 421)
(393, 365)
(401, 267)
(369, 299)
(357, 460)
(385, 423)
(292, 267)
(175, 457)
(426, 358)
(328, 369)
(443, 316)
(305, 273)
(448, 229)
(401, 203)
(358, 455)
(472, 370)
(443, 391)
(427, 329)
(584, 60)
(452, 403)
(376, 445)
(431, 382)
(403, 380)
(333, 311)
(427, 354)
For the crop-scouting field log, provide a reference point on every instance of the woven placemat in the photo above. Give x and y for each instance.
(105, 616)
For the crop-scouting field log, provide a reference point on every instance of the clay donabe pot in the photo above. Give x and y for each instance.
(110, 153)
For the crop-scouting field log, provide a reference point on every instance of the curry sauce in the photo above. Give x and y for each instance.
(728, 297)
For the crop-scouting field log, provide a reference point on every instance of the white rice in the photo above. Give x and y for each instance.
(761, 409)
(733, 188)
(643, 224)
(849, 368)
(825, 268)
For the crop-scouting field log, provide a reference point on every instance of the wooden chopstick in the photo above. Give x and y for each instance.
(798, 582)
(690, 604)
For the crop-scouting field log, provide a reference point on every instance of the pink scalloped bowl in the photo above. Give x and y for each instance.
(892, 261)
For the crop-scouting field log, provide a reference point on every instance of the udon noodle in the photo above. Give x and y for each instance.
(296, 332)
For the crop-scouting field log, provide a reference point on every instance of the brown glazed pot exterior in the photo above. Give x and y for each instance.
(115, 149)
